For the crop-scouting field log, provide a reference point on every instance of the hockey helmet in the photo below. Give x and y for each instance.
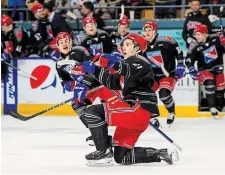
(62, 35)
(138, 41)
(6, 20)
(151, 24)
(36, 7)
(201, 28)
(88, 20)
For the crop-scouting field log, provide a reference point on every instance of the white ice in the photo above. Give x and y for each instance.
(56, 145)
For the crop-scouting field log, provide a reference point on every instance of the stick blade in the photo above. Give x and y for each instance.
(18, 116)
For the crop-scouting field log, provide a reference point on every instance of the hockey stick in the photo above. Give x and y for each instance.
(166, 137)
(122, 12)
(25, 118)
(24, 73)
(221, 24)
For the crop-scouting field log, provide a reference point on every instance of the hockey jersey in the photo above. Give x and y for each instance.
(208, 55)
(162, 53)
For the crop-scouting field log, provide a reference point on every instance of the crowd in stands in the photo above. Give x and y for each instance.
(78, 9)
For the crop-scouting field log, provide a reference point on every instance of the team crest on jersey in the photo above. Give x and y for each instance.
(155, 58)
(98, 46)
(210, 54)
(192, 24)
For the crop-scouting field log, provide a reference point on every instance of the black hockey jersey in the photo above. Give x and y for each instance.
(100, 41)
(18, 37)
(40, 34)
(116, 39)
(79, 54)
(191, 21)
(138, 78)
(164, 50)
(208, 55)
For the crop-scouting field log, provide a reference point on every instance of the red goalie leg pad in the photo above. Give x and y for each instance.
(220, 81)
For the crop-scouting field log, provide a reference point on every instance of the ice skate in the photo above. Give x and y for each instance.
(169, 156)
(214, 113)
(98, 158)
(90, 141)
(170, 119)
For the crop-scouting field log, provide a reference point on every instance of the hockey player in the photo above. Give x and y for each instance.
(194, 18)
(208, 52)
(120, 33)
(41, 33)
(88, 87)
(162, 52)
(131, 116)
(15, 41)
(95, 40)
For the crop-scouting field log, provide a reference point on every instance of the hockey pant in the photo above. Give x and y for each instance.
(214, 88)
(166, 86)
(100, 92)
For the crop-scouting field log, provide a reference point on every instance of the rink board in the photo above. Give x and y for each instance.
(28, 96)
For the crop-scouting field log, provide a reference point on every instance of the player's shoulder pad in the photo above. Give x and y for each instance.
(214, 38)
(102, 32)
(80, 49)
(18, 33)
(34, 26)
(166, 39)
(83, 37)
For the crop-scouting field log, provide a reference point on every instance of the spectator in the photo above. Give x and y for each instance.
(88, 11)
(216, 10)
(161, 13)
(195, 17)
(58, 23)
(14, 4)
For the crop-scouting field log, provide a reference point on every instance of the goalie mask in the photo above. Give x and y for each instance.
(150, 30)
(90, 26)
(64, 42)
(133, 44)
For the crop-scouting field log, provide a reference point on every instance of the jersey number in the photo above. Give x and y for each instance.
(37, 36)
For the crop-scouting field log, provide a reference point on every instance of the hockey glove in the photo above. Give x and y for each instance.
(195, 75)
(9, 47)
(108, 60)
(53, 54)
(80, 92)
(180, 71)
(94, 51)
(4, 57)
(69, 86)
(88, 67)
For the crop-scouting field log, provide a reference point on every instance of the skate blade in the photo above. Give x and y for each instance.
(216, 117)
(102, 162)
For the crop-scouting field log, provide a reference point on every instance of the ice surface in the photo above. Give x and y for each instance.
(56, 145)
